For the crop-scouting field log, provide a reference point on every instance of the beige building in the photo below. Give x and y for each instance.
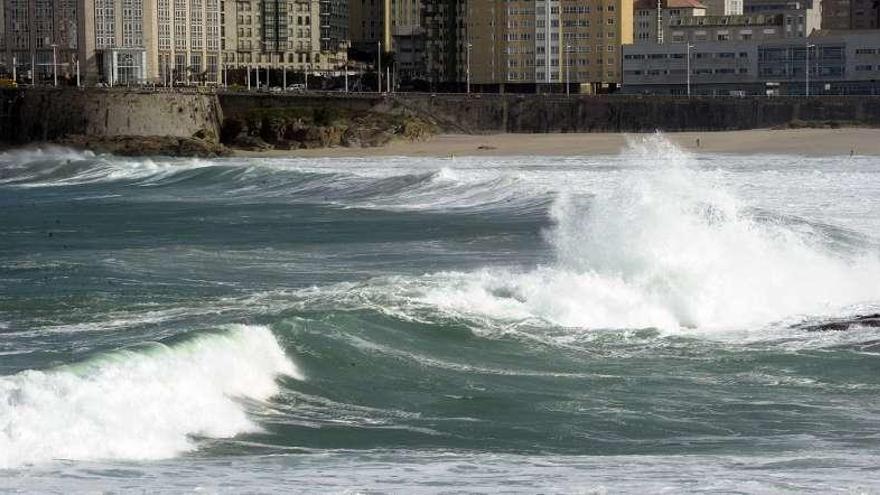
(165, 41)
(545, 43)
(114, 38)
(187, 46)
(278, 34)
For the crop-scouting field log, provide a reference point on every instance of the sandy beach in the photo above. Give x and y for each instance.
(810, 142)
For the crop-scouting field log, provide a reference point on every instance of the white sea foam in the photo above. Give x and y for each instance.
(142, 404)
(668, 248)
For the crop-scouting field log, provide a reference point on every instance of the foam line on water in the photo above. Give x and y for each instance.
(142, 404)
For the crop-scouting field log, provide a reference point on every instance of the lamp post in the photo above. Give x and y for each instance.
(807, 67)
(689, 46)
(55, 64)
(379, 67)
(567, 70)
(468, 68)
(14, 70)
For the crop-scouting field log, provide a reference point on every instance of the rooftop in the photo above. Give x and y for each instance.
(669, 4)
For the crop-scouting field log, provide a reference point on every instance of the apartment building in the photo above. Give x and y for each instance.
(443, 57)
(723, 7)
(649, 14)
(800, 17)
(864, 14)
(187, 48)
(528, 45)
(370, 24)
(850, 14)
(726, 28)
(280, 34)
(37, 35)
(113, 42)
(334, 26)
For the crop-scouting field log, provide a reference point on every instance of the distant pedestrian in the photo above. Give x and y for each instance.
(850, 152)
(698, 142)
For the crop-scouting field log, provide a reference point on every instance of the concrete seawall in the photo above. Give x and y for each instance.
(535, 113)
(538, 113)
(47, 114)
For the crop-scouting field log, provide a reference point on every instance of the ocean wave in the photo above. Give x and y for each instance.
(400, 186)
(146, 403)
(670, 247)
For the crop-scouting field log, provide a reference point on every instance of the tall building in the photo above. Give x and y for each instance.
(835, 14)
(800, 17)
(37, 34)
(5, 65)
(187, 46)
(528, 45)
(647, 17)
(368, 25)
(441, 21)
(334, 25)
(864, 14)
(723, 7)
(280, 34)
(850, 14)
(113, 38)
(397, 25)
(405, 15)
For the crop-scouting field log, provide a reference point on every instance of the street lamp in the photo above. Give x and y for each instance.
(567, 70)
(379, 68)
(807, 67)
(468, 69)
(55, 64)
(689, 46)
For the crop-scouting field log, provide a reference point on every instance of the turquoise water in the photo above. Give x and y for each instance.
(635, 323)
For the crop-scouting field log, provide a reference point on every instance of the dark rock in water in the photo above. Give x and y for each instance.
(872, 321)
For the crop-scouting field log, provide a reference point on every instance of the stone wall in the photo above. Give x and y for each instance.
(490, 113)
(48, 114)
(537, 113)
(51, 114)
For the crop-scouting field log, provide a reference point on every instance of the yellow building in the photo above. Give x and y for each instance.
(543, 43)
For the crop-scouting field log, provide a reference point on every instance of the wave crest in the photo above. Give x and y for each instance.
(143, 404)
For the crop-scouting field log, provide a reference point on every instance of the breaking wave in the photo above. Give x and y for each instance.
(147, 403)
(668, 248)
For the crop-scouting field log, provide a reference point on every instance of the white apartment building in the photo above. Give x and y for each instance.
(188, 43)
(278, 34)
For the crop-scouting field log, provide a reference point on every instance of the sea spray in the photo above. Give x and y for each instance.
(668, 248)
(142, 404)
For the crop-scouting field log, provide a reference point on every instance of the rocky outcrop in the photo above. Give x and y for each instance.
(320, 127)
(147, 145)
